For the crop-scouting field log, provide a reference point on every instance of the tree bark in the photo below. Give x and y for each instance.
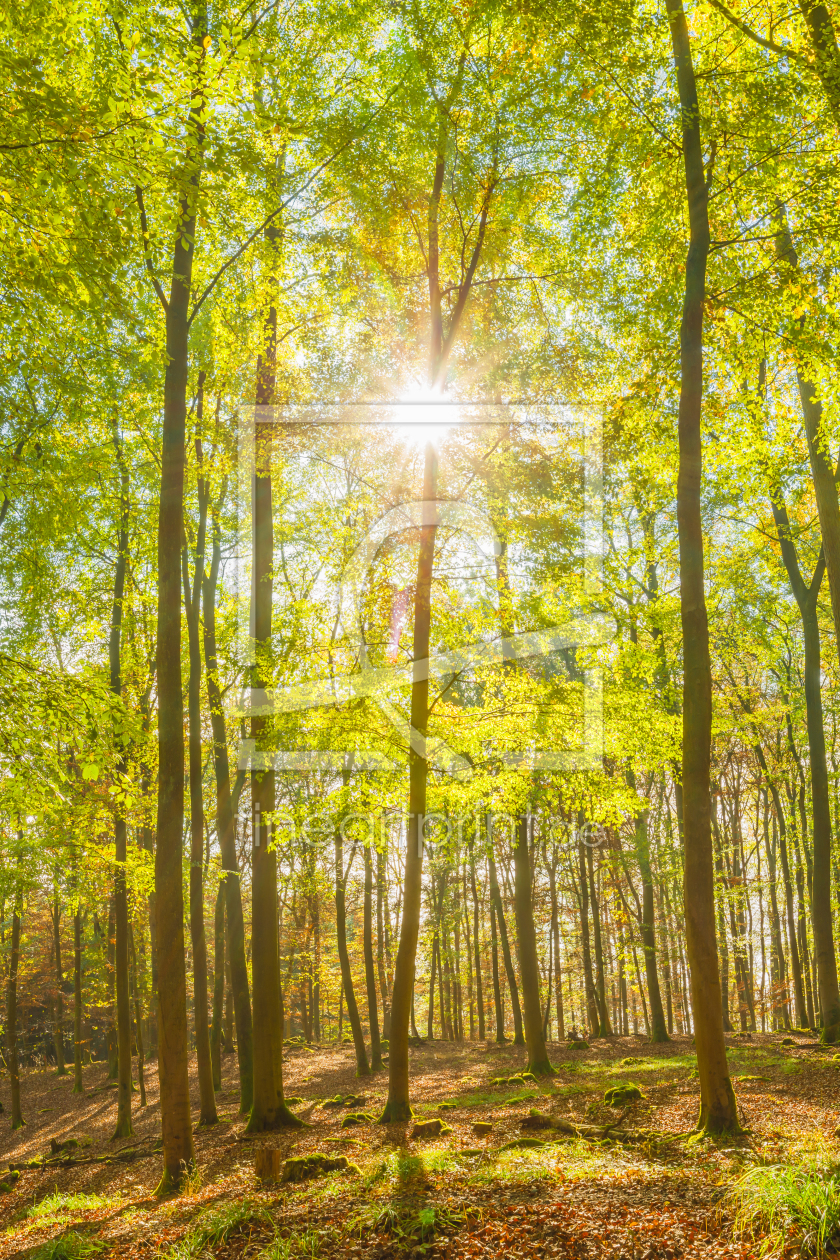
(11, 1006)
(588, 978)
(138, 1019)
(268, 1111)
(538, 1062)
(58, 1006)
(198, 938)
(78, 1083)
(604, 1025)
(362, 1066)
(495, 893)
(173, 1058)
(718, 1109)
(381, 915)
(226, 807)
(398, 1107)
(479, 988)
(218, 987)
(806, 599)
(376, 1063)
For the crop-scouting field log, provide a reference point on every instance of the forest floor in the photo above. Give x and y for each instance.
(659, 1197)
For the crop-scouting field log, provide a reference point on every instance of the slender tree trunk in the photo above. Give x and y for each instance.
(604, 1026)
(173, 1058)
(124, 1126)
(398, 1106)
(11, 1006)
(658, 1030)
(497, 987)
(362, 1067)
(218, 986)
(588, 979)
(538, 1062)
(718, 1109)
(381, 898)
(198, 938)
(78, 1083)
(138, 1019)
(58, 1007)
(479, 993)
(555, 936)
(430, 1016)
(495, 893)
(806, 598)
(226, 809)
(376, 1063)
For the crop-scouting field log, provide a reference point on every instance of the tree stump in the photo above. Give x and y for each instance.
(267, 1163)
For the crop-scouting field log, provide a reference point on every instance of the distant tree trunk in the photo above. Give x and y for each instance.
(78, 1083)
(381, 894)
(479, 994)
(806, 598)
(362, 1067)
(124, 1126)
(226, 810)
(376, 1063)
(495, 893)
(588, 978)
(198, 938)
(555, 936)
(658, 1031)
(110, 975)
(528, 961)
(11, 1006)
(58, 1006)
(138, 1019)
(604, 1025)
(218, 986)
(430, 1017)
(497, 988)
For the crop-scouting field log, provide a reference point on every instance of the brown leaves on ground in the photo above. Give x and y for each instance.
(575, 1202)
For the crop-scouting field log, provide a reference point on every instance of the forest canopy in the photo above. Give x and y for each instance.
(420, 581)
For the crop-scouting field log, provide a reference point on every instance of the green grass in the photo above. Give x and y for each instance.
(213, 1227)
(773, 1202)
(71, 1246)
(58, 1206)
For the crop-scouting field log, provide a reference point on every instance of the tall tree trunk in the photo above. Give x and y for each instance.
(218, 986)
(806, 598)
(362, 1066)
(124, 1126)
(588, 979)
(555, 936)
(658, 1030)
(497, 987)
(269, 1111)
(479, 993)
(381, 909)
(173, 1056)
(376, 1063)
(604, 1026)
(718, 1109)
(78, 1083)
(398, 1107)
(58, 1006)
(138, 1019)
(495, 893)
(198, 938)
(11, 1006)
(528, 961)
(226, 810)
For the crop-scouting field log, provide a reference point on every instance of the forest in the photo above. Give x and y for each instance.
(419, 629)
